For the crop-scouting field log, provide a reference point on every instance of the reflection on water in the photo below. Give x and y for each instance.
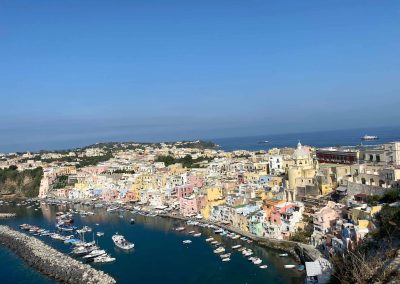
(159, 255)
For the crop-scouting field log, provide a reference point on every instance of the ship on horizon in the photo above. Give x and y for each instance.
(369, 137)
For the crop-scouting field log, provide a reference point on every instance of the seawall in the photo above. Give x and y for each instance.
(49, 261)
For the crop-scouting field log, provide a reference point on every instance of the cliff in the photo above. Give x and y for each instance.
(14, 183)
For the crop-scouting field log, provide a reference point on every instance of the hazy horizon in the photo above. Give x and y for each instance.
(66, 145)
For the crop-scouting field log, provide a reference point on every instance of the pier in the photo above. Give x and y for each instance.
(49, 261)
(7, 215)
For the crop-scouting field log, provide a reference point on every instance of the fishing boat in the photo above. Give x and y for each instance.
(121, 242)
(186, 242)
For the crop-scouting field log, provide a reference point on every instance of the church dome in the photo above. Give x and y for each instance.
(300, 152)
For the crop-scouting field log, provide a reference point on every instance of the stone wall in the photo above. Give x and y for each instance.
(49, 261)
(356, 188)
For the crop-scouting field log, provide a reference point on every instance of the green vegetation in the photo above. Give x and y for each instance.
(368, 263)
(61, 182)
(25, 183)
(198, 145)
(90, 161)
(187, 161)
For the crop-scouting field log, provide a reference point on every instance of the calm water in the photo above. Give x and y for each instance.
(318, 139)
(159, 255)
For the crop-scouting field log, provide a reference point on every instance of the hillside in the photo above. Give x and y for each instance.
(14, 183)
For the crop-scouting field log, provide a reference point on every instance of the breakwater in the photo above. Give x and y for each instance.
(49, 261)
(7, 215)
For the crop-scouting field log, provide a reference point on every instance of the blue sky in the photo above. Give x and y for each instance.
(74, 72)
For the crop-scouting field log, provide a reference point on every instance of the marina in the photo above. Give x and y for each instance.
(156, 239)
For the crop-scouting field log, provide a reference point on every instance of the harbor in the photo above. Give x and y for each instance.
(213, 253)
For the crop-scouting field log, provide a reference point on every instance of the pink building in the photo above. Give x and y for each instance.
(195, 181)
(188, 206)
(326, 217)
(95, 169)
(183, 191)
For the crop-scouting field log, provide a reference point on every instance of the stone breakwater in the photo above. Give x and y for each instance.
(49, 261)
(7, 215)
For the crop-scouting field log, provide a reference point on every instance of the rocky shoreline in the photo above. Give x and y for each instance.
(49, 261)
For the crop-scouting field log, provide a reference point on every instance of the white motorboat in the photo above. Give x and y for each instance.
(103, 259)
(100, 234)
(197, 235)
(289, 266)
(180, 229)
(227, 255)
(226, 259)
(219, 250)
(256, 260)
(283, 254)
(95, 253)
(209, 240)
(236, 247)
(121, 242)
(264, 266)
(192, 232)
(186, 242)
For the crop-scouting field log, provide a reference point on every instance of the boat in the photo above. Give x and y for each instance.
(289, 266)
(180, 229)
(227, 255)
(219, 250)
(209, 240)
(226, 259)
(218, 231)
(103, 259)
(197, 235)
(94, 253)
(100, 234)
(369, 138)
(192, 232)
(186, 242)
(214, 242)
(264, 266)
(283, 254)
(236, 247)
(256, 261)
(121, 242)
(132, 221)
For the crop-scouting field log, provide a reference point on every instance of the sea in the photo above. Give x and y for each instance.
(159, 255)
(332, 138)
